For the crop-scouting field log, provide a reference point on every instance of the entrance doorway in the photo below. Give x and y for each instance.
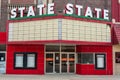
(60, 62)
(2, 62)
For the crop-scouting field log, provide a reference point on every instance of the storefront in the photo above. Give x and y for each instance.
(59, 44)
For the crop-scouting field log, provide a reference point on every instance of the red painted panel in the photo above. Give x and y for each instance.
(25, 48)
(2, 37)
(89, 69)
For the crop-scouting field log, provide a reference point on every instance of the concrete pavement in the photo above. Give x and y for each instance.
(59, 77)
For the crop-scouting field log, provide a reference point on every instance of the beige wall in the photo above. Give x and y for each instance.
(68, 30)
(34, 30)
(85, 31)
(116, 66)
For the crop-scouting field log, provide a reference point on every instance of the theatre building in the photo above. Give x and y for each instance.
(60, 43)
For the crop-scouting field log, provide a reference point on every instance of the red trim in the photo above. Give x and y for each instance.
(60, 16)
(60, 41)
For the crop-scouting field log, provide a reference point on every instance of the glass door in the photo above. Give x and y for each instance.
(71, 62)
(64, 63)
(49, 62)
(57, 62)
(67, 63)
(60, 63)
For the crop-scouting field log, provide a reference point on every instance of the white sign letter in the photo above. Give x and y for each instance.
(41, 6)
(69, 8)
(79, 7)
(98, 10)
(31, 11)
(106, 14)
(21, 11)
(88, 12)
(51, 8)
(13, 13)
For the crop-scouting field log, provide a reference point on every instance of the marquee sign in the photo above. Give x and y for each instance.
(69, 9)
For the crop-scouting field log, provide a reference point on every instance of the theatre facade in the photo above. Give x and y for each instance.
(59, 44)
(76, 41)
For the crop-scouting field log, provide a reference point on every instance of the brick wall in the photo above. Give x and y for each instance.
(3, 17)
(115, 10)
(103, 4)
(21, 1)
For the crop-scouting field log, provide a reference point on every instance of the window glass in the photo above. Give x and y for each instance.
(117, 57)
(2, 56)
(68, 48)
(25, 60)
(52, 48)
(31, 60)
(19, 60)
(79, 58)
(40, 1)
(85, 58)
(100, 62)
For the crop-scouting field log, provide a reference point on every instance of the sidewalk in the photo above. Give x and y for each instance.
(59, 77)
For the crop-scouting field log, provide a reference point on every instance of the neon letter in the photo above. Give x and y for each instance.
(13, 13)
(51, 8)
(88, 12)
(31, 11)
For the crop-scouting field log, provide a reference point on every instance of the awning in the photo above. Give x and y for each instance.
(116, 34)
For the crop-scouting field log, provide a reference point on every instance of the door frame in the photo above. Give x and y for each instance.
(60, 62)
(68, 62)
(5, 58)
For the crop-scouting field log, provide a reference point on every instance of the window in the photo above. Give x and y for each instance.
(25, 60)
(19, 60)
(2, 57)
(117, 57)
(85, 58)
(40, 1)
(30, 60)
(100, 62)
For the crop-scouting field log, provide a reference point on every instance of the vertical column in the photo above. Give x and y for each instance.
(59, 29)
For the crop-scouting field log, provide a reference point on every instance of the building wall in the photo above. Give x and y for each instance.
(89, 69)
(116, 10)
(25, 48)
(3, 15)
(22, 2)
(116, 66)
(103, 4)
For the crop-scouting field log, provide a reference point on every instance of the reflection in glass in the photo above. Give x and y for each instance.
(57, 62)
(71, 63)
(64, 63)
(49, 63)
